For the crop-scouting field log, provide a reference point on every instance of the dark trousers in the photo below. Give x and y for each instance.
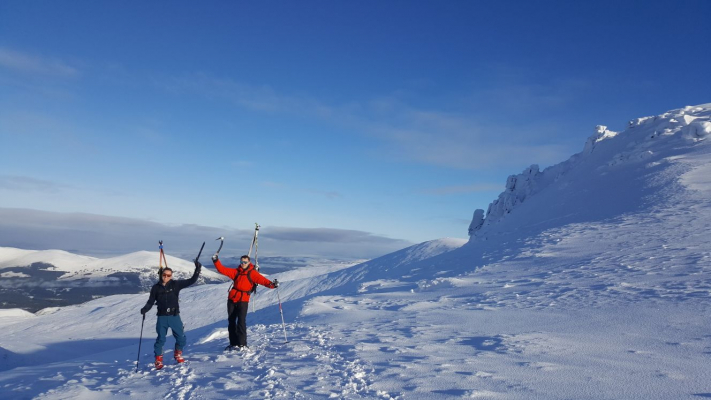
(237, 322)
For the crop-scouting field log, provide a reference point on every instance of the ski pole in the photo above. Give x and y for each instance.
(255, 243)
(140, 341)
(283, 325)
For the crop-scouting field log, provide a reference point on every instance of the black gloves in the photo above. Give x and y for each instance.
(275, 283)
(215, 258)
(143, 311)
(197, 264)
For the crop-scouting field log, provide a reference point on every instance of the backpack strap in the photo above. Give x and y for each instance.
(248, 273)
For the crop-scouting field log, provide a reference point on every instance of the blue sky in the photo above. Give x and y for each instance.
(395, 119)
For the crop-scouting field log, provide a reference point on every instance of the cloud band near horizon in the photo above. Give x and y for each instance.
(100, 235)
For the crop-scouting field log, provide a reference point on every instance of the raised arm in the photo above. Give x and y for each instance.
(228, 272)
(187, 282)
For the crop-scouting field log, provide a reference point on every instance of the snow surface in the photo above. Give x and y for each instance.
(594, 285)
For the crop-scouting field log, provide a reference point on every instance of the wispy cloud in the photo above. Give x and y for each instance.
(328, 235)
(330, 194)
(242, 164)
(462, 139)
(262, 98)
(33, 64)
(29, 184)
(481, 131)
(273, 185)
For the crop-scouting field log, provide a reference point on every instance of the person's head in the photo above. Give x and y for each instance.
(244, 261)
(166, 275)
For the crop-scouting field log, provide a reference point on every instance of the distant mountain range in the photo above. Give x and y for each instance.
(33, 280)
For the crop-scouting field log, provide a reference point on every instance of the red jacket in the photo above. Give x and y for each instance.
(241, 277)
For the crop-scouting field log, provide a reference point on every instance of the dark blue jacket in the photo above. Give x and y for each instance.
(166, 296)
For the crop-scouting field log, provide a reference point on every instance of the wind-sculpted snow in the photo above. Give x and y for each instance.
(596, 286)
(648, 142)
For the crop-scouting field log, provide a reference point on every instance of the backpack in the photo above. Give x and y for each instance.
(247, 273)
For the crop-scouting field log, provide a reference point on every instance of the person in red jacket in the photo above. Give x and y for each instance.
(244, 280)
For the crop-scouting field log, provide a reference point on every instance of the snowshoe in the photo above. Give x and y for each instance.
(178, 354)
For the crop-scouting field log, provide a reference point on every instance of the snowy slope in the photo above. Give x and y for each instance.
(594, 285)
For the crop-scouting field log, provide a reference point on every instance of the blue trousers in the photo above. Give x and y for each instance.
(176, 325)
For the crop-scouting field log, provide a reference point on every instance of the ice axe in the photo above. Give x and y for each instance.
(198, 257)
(222, 242)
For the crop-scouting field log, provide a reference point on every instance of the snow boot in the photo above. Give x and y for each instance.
(178, 354)
(159, 362)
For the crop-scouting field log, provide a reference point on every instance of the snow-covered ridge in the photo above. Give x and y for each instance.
(15, 313)
(411, 255)
(77, 266)
(644, 139)
(33, 280)
(424, 250)
(12, 257)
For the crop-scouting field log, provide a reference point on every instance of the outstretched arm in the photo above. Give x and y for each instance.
(260, 279)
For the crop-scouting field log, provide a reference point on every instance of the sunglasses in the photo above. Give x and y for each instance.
(245, 262)
(166, 275)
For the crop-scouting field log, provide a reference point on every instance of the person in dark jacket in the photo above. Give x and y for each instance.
(244, 278)
(165, 295)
